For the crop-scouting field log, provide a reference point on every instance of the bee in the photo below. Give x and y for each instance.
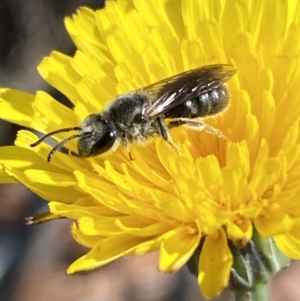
(135, 117)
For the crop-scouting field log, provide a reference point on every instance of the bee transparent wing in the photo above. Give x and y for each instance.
(175, 90)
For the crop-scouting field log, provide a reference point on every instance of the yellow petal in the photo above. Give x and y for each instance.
(272, 222)
(15, 106)
(178, 245)
(50, 178)
(86, 240)
(105, 251)
(84, 207)
(23, 159)
(215, 264)
(136, 227)
(289, 243)
(60, 194)
(49, 115)
(57, 70)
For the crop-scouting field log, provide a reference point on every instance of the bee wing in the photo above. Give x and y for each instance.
(175, 90)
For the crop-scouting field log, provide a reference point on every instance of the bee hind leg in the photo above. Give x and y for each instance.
(164, 132)
(197, 125)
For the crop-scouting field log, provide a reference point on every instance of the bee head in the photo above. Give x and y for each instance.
(95, 134)
(96, 137)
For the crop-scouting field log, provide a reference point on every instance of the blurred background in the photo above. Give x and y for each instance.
(33, 260)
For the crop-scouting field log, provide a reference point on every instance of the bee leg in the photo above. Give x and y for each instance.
(74, 154)
(126, 144)
(164, 132)
(130, 156)
(196, 125)
(68, 152)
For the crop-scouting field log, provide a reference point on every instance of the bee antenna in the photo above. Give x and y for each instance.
(63, 142)
(41, 139)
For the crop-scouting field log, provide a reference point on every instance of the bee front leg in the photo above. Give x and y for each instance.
(164, 132)
(196, 125)
(126, 143)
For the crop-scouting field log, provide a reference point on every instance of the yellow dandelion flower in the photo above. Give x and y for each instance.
(217, 191)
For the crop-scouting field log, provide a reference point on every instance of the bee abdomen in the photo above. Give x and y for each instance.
(208, 103)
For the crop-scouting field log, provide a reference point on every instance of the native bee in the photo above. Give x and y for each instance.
(135, 117)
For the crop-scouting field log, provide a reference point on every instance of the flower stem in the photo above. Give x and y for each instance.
(257, 293)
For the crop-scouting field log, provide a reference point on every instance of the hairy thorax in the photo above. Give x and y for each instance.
(126, 112)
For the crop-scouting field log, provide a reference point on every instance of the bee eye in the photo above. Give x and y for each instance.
(99, 138)
(104, 142)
